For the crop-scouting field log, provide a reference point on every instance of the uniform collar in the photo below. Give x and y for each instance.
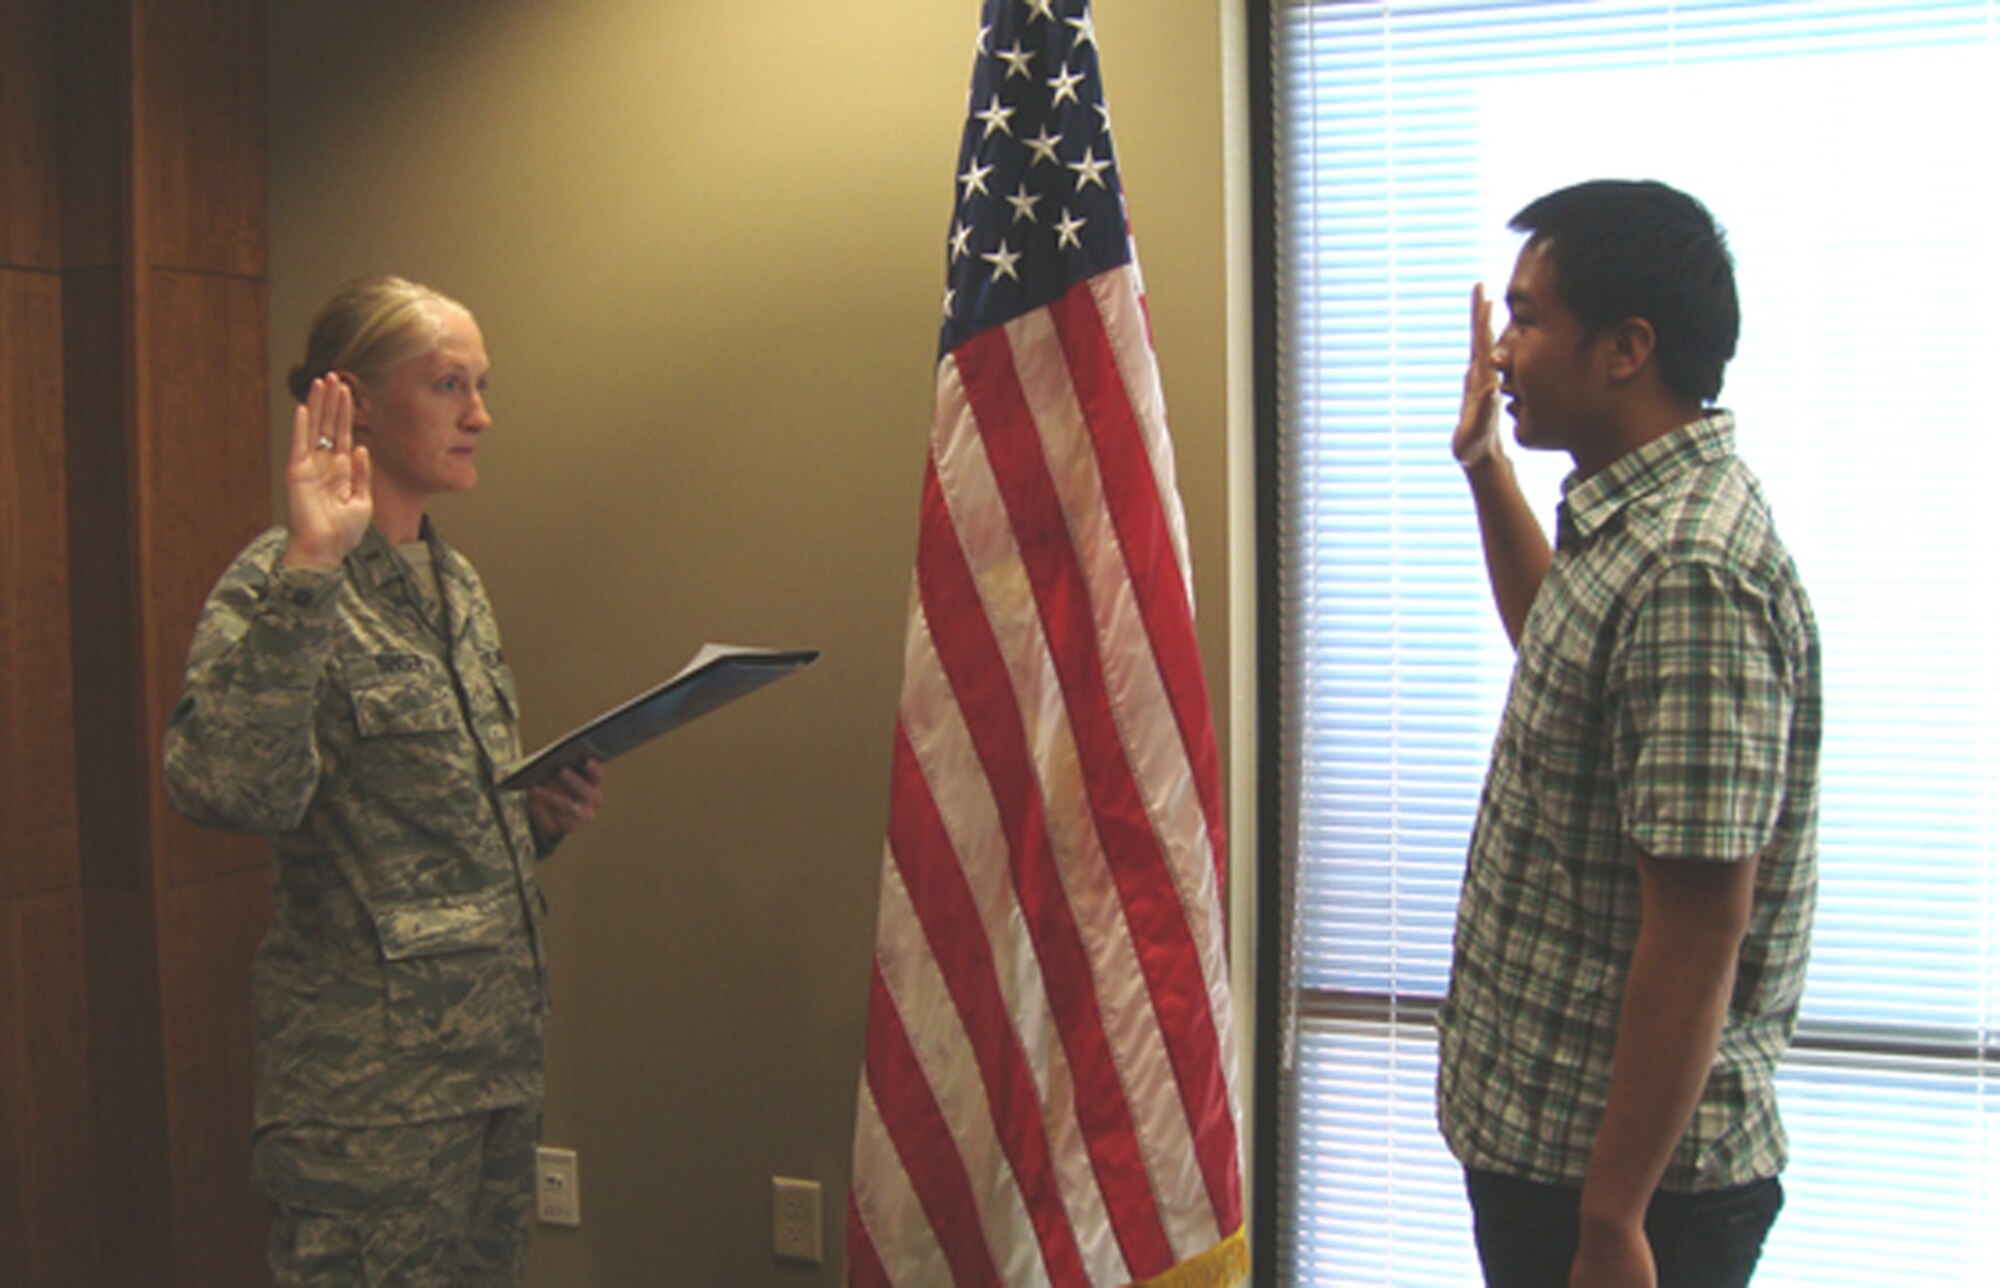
(376, 568)
(1589, 504)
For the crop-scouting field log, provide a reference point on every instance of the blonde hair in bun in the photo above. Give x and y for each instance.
(369, 327)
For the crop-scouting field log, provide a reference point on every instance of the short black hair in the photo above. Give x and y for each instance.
(1640, 249)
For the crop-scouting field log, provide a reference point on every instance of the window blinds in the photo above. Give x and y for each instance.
(1847, 149)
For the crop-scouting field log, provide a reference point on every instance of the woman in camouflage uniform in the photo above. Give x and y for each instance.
(346, 693)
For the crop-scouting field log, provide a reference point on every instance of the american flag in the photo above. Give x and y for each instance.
(1048, 1095)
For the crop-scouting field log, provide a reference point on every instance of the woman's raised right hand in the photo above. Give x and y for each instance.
(327, 497)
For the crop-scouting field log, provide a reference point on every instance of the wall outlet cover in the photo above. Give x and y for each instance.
(795, 1220)
(558, 1187)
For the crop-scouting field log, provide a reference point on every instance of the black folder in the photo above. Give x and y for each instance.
(717, 675)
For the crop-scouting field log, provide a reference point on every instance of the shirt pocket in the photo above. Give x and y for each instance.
(403, 703)
(504, 722)
(457, 975)
(1559, 710)
(504, 688)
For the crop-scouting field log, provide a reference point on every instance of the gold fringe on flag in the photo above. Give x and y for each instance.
(1223, 1266)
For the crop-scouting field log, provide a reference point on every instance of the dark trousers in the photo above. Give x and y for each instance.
(1527, 1232)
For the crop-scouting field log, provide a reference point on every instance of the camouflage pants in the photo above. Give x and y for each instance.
(446, 1202)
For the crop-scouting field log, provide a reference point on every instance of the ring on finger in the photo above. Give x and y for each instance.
(324, 443)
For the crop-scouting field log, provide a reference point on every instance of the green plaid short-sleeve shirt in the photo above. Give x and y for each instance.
(1665, 699)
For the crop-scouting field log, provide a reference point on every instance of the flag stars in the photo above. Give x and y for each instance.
(1058, 116)
(1043, 145)
(1019, 62)
(1089, 170)
(995, 117)
(1023, 203)
(1067, 230)
(974, 180)
(1003, 261)
(1064, 84)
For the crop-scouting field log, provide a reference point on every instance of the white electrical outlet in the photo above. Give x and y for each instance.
(558, 1187)
(795, 1232)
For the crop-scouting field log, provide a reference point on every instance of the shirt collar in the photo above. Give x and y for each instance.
(375, 564)
(1588, 504)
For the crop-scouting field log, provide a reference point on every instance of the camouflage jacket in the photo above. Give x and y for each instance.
(402, 977)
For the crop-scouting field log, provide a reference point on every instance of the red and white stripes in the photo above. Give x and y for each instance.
(1048, 1096)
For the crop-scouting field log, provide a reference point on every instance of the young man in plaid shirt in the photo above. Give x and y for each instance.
(1632, 933)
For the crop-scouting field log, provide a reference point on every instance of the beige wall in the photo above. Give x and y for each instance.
(705, 241)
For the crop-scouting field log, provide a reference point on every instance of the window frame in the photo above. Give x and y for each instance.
(1275, 1009)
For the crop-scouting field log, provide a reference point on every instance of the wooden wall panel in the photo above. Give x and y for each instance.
(134, 461)
(128, 1093)
(30, 232)
(199, 77)
(45, 1210)
(112, 764)
(210, 932)
(207, 493)
(93, 110)
(37, 791)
